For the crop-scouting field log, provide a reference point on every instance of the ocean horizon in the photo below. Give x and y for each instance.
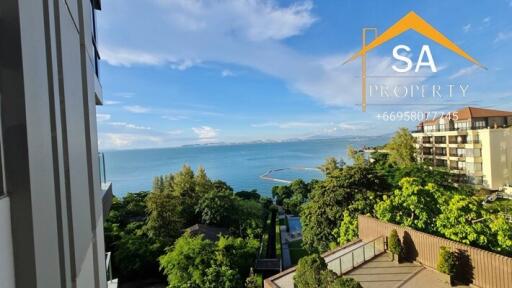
(240, 165)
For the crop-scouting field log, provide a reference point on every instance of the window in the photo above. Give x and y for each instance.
(461, 125)
(479, 124)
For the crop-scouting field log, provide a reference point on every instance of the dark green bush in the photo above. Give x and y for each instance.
(394, 244)
(447, 261)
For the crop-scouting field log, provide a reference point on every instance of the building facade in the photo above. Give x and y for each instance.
(53, 197)
(474, 144)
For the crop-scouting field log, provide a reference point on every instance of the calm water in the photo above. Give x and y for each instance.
(239, 165)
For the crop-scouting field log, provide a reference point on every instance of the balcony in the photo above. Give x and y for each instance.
(106, 186)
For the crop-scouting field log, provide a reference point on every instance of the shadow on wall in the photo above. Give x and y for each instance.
(464, 269)
(410, 251)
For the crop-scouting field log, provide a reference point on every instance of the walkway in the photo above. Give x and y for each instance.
(383, 273)
(285, 250)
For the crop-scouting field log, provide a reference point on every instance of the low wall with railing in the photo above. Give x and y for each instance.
(340, 260)
(476, 266)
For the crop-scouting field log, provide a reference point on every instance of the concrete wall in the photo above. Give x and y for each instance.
(48, 89)
(6, 257)
(496, 156)
(478, 267)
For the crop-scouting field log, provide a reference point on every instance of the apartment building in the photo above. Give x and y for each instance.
(53, 197)
(474, 144)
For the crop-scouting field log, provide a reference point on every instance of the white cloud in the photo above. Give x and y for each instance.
(290, 124)
(227, 73)
(246, 33)
(127, 140)
(111, 102)
(466, 28)
(175, 132)
(206, 133)
(486, 20)
(137, 109)
(174, 117)
(129, 125)
(124, 94)
(502, 36)
(464, 72)
(102, 117)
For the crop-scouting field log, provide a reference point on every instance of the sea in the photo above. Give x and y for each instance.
(239, 165)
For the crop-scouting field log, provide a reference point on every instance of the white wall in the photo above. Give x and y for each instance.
(6, 260)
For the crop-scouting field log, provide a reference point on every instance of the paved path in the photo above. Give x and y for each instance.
(285, 250)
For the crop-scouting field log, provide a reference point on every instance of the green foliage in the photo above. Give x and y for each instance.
(447, 261)
(216, 208)
(186, 263)
(165, 219)
(249, 218)
(401, 148)
(345, 282)
(502, 228)
(323, 213)
(347, 230)
(312, 272)
(330, 165)
(394, 244)
(463, 219)
(196, 262)
(248, 195)
(253, 281)
(280, 193)
(355, 155)
(309, 272)
(413, 205)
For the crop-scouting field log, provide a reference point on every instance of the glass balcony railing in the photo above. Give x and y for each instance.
(356, 257)
(103, 174)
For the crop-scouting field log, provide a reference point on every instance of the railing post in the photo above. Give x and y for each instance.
(352, 255)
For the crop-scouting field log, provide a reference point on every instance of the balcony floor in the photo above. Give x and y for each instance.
(380, 272)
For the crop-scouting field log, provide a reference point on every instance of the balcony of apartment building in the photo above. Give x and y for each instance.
(440, 140)
(440, 152)
(106, 186)
(440, 163)
(427, 151)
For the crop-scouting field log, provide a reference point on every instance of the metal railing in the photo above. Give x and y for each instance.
(356, 257)
(108, 265)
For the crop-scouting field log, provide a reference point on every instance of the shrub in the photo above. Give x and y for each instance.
(309, 272)
(344, 282)
(446, 263)
(394, 244)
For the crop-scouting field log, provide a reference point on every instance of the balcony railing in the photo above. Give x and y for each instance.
(354, 258)
(103, 173)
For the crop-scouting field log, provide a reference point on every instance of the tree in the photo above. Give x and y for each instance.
(464, 220)
(184, 186)
(323, 213)
(401, 148)
(281, 192)
(164, 220)
(330, 165)
(413, 205)
(356, 156)
(196, 262)
(248, 218)
(136, 253)
(348, 229)
(203, 185)
(185, 265)
(216, 208)
(502, 228)
(248, 195)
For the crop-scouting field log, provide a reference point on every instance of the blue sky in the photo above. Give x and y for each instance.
(178, 72)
